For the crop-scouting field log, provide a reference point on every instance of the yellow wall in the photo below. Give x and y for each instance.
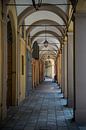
(81, 6)
(22, 77)
(59, 67)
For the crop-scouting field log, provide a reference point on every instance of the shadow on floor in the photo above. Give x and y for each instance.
(44, 109)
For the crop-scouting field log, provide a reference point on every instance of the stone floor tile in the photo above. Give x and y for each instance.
(82, 128)
(62, 128)
(29, 128)
(43, 109)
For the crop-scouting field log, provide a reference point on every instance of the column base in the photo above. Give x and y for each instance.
(80, 116)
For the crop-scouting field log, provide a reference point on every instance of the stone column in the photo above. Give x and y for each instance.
(4, 64)
(18, 67)
(37, 72)
(65, 69)
(62, 70)
(80, 67)
(59, 67)
(70, 70)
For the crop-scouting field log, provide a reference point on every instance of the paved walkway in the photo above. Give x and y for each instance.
(43, 110)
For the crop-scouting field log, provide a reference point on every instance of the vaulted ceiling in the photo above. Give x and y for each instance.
(48, 22)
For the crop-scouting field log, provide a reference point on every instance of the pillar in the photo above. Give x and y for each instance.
(58, 64)
(60, 68)
(37, 72)
(64, 69)
(80, 67)
(70, 70)
(33, 74)
(4, 65)
(18, 67)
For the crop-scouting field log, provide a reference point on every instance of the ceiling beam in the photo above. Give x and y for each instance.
(32, 5)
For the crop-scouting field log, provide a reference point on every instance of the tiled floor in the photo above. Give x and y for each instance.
(43, 110)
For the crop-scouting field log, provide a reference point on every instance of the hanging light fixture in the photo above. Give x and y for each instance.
(37, 5)
(45, 42)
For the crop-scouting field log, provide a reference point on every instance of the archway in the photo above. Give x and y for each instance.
(49, 68)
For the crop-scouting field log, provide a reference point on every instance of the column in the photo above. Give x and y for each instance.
(37, 72)
(80, 67)
(65, 69)
(58, 69)
(18, 67)
(4, 65)
(70, 70)
(62, 70)
(33, 73)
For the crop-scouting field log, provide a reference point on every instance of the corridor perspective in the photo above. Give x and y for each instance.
(42, 64)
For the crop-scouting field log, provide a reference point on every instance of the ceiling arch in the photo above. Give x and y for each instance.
(48, 7)
(43, 28)
(48, 32)
(52, 41)
(45, 56)
(45, 22)
(56, 16)
(50, 47)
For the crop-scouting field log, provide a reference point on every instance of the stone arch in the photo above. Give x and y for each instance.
(46, 53)
(54, 47)
(49, 32)
(46, 7)
(44, 21)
